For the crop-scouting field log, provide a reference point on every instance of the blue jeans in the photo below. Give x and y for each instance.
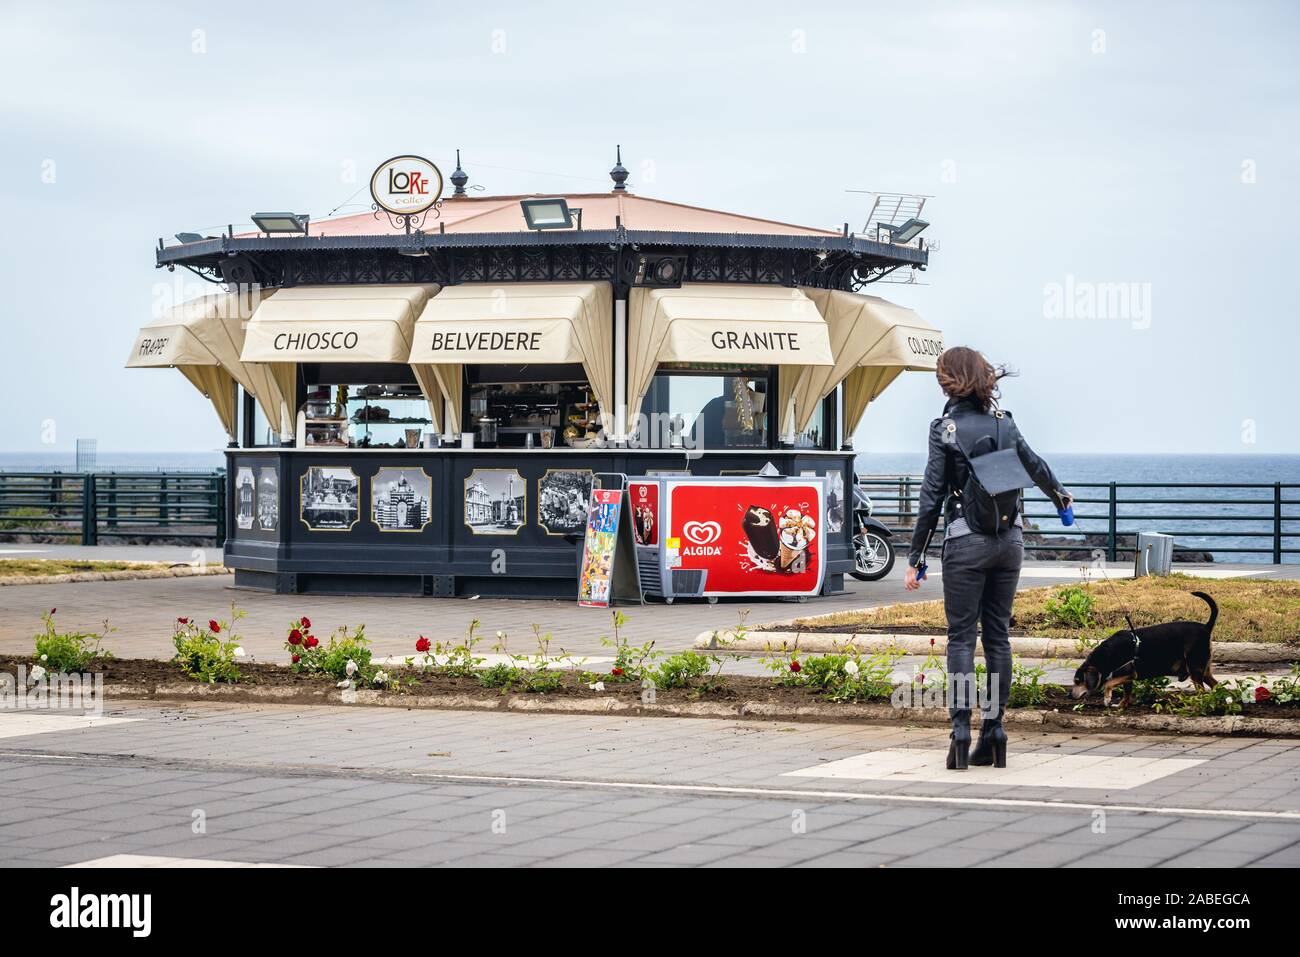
(980, 575)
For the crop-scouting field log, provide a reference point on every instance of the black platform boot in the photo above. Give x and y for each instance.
(992, 745)
(959, 743)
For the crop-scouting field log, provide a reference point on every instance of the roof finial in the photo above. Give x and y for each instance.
(459, 178)
(619, 173)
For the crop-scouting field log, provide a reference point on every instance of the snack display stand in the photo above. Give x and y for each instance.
(723, 536)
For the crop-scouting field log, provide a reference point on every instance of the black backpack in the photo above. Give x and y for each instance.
(989, 499)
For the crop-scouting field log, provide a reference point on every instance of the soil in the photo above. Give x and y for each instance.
(149, 673)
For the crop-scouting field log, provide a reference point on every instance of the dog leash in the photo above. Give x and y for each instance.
(1137, 640)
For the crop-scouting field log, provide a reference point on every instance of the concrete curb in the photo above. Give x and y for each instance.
(126, 574)
(869, 713)
(763, 642)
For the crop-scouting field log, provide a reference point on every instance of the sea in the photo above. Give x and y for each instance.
(1240, 517)
(1230, 513)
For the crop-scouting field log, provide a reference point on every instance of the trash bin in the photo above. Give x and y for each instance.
(1155, 554)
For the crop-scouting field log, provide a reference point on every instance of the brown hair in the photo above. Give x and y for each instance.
(964, 373)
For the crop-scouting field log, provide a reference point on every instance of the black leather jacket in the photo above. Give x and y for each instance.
(946, 470)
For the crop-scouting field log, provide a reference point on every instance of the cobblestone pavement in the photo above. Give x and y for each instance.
(361, 786)
(143, 613)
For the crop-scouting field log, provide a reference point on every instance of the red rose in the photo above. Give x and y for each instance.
(1262, 694)
(422, 644)
(295, 637)
(795, 666)
(53, 610)
(296, 659)
(931, 642)
(306, 622)
(310, 641)
(616, 672)
(182, 621)
(212, 623)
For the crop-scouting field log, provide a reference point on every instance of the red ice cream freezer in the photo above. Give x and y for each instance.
(715, 536)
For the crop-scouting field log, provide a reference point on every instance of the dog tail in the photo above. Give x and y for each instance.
(1214, 609)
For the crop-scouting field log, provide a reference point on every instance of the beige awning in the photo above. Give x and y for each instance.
(365, 323)
(873, 340)
(515, 323)
(203, 339)
(707, 322)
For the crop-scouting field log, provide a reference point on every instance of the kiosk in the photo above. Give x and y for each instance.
(420, 396)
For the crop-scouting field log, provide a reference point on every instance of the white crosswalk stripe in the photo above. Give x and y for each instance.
(1030, 769)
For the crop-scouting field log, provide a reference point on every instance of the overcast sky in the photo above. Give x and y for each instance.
(1070, 149)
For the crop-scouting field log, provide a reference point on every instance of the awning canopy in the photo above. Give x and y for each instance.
(873, 341)
(707, 322)
(203, 338)
(365, 323)
(515, 323)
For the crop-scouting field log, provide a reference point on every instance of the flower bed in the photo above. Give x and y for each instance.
(210, 653)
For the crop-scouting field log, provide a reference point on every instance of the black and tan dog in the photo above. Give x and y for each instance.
(1179, 649)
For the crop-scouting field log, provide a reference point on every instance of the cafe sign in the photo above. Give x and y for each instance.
(406, 185)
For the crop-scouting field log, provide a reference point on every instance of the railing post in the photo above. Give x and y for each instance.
(164, 512)
(1112, 525)
(1277, 523)
(219, 486)
(89, 531)
(112, 501)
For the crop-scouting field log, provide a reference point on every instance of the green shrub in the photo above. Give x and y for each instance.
(1027, 686)
(1148, 691)
(1222, 699)
(1071, 608)
(500, 675)
(345, 646)
(679, 670)
(631, 662)
(865, 679)
(204, 654)
(68, 651)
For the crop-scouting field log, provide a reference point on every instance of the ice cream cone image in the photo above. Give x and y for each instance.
(797, 532)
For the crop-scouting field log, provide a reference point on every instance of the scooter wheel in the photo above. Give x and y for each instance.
(873, 556)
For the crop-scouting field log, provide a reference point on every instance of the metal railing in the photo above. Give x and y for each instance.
(1256, 521)
(82, 508)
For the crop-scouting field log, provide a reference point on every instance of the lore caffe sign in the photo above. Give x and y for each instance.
(406, 185)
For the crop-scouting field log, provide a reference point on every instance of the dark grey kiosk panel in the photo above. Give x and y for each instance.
(449, 522)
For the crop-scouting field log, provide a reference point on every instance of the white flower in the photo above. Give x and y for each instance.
(45, 657)
(239, 652)
(501, 635)
(851, 667)
(350, 667)
(381, 677)
(38, 673)
(597, 686)
(345, 683)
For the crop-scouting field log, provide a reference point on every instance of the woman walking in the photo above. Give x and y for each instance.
(983, 545)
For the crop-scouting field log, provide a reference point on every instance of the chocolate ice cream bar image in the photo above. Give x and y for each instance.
(760, 527)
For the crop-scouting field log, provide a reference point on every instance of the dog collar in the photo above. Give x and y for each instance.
(1137, 644)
